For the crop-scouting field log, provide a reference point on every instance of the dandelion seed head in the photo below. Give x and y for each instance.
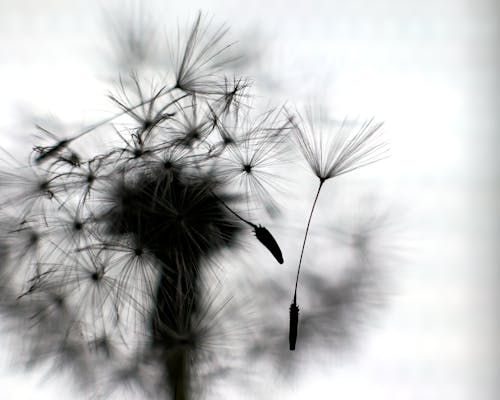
(111, 255)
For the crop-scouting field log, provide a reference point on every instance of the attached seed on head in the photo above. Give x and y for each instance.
(192, 137)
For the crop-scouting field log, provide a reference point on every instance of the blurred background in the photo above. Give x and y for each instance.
(429, 69)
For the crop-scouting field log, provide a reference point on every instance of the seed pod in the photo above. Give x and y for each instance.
(265, 237)
(294, 322)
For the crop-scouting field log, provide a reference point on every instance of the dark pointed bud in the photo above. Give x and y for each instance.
(265, 237)
(294, 322)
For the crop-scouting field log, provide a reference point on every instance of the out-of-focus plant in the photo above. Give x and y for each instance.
(115, 259)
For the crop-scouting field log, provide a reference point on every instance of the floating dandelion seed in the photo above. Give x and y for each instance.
(332, 153)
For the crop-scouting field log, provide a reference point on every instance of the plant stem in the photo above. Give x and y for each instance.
(179, 375)
(321, 181)
(234, 212)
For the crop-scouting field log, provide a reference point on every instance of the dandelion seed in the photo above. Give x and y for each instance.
(195, 70)
(150, 113)
(24, 244)
(330, 155)
(201, 57)
(262, 234)
(265, 237)
(225, 129)
(190, 127)
(134, 150)
(30, 190)
(81, 182)
(252, 158)
(294, 323)
(128, 277)
(231, 96)
(71, 227)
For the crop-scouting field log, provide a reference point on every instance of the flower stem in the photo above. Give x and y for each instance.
(234, 212)
(305, 239)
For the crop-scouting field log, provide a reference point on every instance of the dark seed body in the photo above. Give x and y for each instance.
(265, 237)
(294, 322)
(52, 151)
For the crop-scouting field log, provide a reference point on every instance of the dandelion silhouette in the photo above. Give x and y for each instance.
(108, 259)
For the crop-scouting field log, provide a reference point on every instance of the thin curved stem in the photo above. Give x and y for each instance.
(234, 212)
(321, 181)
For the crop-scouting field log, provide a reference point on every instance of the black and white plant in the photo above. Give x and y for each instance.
(114, 258)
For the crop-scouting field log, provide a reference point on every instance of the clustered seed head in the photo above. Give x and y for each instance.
(107, 254)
